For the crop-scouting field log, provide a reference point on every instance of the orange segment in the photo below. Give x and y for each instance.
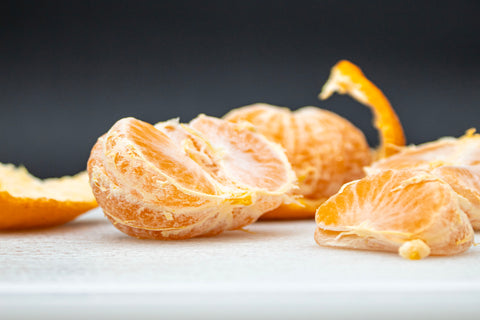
(413, 212)
(325, 150)
(457, 161)
(177, 181)
(347, 78)
(463, 151)
(243, 151)
(465, 180)
(27, 202)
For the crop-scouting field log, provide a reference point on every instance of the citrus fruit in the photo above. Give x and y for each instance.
(177, 181)
(455, 160)
(28, 202)
(463, 151)
(347, 78)
(325, 150)
(409, 211)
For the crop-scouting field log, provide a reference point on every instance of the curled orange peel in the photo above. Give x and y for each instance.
(347, 78)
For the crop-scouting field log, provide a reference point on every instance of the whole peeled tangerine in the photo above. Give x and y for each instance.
(325, 150)
(178, 181)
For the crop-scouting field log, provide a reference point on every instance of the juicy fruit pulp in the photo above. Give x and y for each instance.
(413, 212)
(456, 161)
(325, 150)
(177, 181)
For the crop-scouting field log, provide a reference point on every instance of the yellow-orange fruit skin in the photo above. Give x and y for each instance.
(324, 149)
(385, 210)
(302, 208)
(142, 201)
(22, 213)
(347, 78)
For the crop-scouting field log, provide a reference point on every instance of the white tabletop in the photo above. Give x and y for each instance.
(275, 270)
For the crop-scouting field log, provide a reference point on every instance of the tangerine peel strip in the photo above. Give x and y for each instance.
(347, 78)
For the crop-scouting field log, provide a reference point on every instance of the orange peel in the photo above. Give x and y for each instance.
(347, 78)
(28, 202)
(301, 208)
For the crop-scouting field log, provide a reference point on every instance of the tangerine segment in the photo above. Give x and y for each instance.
(325, 150)
(177, 181)
(28, 202)
(463, 151)
(347, 78)
(457, 161)
(242, 152)
(392, 210)
(465, 180)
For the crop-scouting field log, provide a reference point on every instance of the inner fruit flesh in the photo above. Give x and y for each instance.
(385, 210)
(176, 181)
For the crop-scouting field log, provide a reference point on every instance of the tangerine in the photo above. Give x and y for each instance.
(177, 181)
(325, 151)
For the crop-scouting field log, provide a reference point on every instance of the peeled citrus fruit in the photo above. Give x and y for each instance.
(325, 150)
(177, 181)
(456, 161)
(412, 212)
(28, 202)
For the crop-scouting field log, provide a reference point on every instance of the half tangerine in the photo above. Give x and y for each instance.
(177, 181)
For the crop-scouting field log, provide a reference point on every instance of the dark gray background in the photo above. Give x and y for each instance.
(69, 70)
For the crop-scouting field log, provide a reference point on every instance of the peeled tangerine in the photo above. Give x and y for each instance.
(456, 161)
(412, 212)
(325, 150)
(27, 202)
(177, 181)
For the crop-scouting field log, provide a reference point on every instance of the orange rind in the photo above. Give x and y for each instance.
(347, 78)
(28, 202)
(411, 212)
(300, 208)
(178, 181)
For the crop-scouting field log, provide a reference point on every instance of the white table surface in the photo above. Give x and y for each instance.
(88, 269)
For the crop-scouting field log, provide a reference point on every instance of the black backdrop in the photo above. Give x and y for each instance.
(69, 70)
